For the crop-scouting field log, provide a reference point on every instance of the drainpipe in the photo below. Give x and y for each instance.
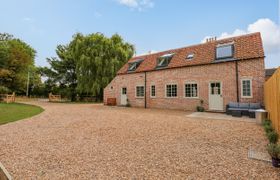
(145, 90)
(237, 84)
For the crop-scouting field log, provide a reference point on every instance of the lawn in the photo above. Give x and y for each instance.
(16, 111)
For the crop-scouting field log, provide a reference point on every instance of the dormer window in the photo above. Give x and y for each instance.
(164, 60)
(190, 56)
(224, 51)
(132, 66)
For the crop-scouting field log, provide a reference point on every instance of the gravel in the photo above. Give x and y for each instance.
(92, 141)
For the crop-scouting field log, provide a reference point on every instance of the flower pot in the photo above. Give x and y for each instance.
(275, 162)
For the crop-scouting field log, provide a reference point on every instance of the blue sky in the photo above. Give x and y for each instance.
(148, 24)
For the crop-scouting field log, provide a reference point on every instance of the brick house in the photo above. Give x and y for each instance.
(217, 72)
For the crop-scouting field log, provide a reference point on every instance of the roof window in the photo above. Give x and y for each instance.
(164, 60)
(190, 56)
(132, 66)
(224, 51)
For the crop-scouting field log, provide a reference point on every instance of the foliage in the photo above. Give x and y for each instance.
(272, 136)
(16, 59)
(4, 90)
(15, 111)
(87, 64)
(273, 150)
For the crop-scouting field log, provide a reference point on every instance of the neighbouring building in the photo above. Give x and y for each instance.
(217, 72)
(269, 73)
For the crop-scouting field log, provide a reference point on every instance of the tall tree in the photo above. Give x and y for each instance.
(88, 63)
(16, 59)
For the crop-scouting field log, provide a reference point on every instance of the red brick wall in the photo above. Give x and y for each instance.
(202, 75)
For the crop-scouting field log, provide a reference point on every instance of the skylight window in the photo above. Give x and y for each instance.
(132, 66)
(224, 51)
(190, 56)
(164, 60)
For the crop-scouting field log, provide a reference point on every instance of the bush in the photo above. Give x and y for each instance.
(4, 90)
(268, 128)
(273, 150)
(266, 122)
(272, 137)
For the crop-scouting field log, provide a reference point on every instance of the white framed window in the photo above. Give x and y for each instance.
(153, 91)
(140, 92)
(171, 90)
(191, 90)
(246, 88)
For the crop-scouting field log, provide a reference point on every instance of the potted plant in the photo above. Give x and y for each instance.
(200, 108)
(274, 152)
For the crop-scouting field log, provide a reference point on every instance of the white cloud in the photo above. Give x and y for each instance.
(137, 4)
(269, 30)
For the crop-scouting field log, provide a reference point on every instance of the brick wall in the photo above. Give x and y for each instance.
(202, 75)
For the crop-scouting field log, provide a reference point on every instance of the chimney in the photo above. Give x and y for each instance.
(211, 39)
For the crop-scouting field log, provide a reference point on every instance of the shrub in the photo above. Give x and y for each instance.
(266, 122)
(273, 150)
(272, 137)
(4, 90)
(268, 128)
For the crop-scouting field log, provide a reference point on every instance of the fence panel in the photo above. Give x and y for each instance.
(272, 99)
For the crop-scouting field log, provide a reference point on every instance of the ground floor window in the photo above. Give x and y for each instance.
(191, 90)
(171, 90)
(153, 91)
(139, 91)
(246, 88)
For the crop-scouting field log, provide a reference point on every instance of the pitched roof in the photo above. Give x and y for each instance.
(245, 47)
(270, 72)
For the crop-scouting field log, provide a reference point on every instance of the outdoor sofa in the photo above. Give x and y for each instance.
(242, 109)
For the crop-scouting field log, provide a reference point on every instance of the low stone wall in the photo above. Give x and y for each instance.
(4, 174)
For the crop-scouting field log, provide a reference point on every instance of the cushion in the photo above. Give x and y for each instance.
(237, 109)
(244, 105)
(255, 105)
(233, 105)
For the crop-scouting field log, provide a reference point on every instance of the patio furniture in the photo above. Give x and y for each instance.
(252, 113)
(246, 109)
(236, 113)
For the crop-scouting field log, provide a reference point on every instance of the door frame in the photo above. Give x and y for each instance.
(209, 93)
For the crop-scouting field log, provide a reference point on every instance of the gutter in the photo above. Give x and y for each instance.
(237, 81)
(145, 99)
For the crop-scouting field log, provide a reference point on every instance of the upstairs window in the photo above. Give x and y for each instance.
(132, 66)
(164, 60)
(224, 51)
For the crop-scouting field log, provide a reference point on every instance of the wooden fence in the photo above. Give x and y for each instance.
(272, 99)
(54, 98)
(8, 98)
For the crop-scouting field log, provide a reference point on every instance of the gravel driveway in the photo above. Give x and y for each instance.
(91, 141)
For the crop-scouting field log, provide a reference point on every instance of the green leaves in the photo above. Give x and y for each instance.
(89, 62)
(16, 58)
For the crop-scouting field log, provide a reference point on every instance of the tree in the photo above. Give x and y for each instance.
(16, 59)
(88, 63)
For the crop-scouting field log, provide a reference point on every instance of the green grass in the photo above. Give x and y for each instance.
(16, 111)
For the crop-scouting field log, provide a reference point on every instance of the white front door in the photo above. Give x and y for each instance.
(123, 96)
(215, 96)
